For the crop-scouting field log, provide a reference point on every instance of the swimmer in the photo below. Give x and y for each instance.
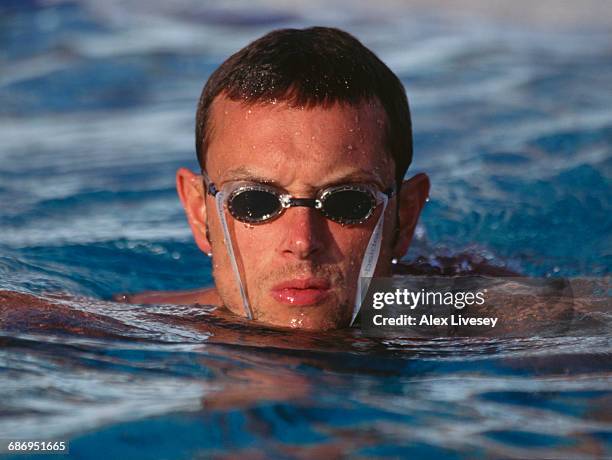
(303, 138)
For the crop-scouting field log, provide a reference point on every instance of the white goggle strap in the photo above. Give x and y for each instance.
(370, 260)
(219, 199)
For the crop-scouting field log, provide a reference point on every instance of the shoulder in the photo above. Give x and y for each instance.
(463, 264)
(205, 296)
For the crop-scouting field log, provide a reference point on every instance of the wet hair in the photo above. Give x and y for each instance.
(318, 66)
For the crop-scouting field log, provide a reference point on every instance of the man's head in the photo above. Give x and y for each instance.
(302, 110)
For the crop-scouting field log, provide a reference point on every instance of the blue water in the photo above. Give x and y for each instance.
(513, 123)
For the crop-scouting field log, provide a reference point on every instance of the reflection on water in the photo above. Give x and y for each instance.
(201, 382)
(512, 121)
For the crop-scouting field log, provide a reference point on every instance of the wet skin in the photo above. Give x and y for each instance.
(301, 269)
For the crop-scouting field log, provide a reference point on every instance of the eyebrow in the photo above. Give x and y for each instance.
(355, 176)
(244, 173)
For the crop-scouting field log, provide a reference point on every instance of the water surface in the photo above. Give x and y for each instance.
(512, 121)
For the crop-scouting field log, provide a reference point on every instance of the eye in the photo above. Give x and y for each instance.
(253, 205)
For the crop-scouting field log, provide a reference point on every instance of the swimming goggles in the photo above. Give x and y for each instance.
(257, 203)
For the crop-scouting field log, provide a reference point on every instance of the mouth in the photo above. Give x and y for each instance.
(301, 292)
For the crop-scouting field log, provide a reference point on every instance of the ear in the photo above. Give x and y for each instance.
(191, 193)
(412, 197)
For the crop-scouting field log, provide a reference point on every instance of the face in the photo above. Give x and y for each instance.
(300, 269)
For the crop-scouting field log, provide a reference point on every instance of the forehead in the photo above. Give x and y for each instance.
(309, 146)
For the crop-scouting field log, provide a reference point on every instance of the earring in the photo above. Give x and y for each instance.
(209, 254)
(394, 261)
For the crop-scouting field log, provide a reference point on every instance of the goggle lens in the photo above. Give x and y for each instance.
(254, 205)
(348, 206)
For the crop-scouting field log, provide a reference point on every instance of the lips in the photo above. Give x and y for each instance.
(301, 292)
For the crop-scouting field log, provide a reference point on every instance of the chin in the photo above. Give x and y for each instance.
(305, 324)
(312, 318)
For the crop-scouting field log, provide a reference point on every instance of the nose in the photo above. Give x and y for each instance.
(303, 233)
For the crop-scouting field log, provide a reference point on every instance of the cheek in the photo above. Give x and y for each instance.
(254, 243)
(253, 247)
(351, 244)
(246, 258)
(354, 241)
(351, 240)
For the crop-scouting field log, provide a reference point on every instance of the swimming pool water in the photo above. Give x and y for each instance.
(513, 123)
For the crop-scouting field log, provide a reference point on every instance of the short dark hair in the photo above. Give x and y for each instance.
(318, 66)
